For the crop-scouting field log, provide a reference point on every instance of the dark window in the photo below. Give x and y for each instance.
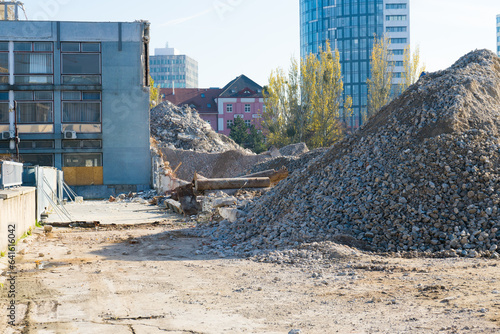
(91, 144)
(38, 159)
(81, 64)
(4, 112)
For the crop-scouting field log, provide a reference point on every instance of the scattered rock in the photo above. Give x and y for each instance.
(47, 228)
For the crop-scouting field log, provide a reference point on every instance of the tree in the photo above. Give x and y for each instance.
(327, 99)
(247, 136)
(154, 94)
(276, 116)
(304, 105)
(239, 131)
(412, 68)
(380, 81)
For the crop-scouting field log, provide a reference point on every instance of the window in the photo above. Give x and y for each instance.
(398, 40)
(33, 63)
(396, 63)
(4, 107)
(248, 108)
(85, 144)
(229, 108)
(395, 18)
(38, 159)
(36, 144)
(395, 6)
(248, 122)
(81, 63)
(82, 160)
(34, 107)
(209, 105)
(34, 112)
(396, 74)
(202, 95)
(81, 107)
(229, 123)
(396, 29)
(398, 52)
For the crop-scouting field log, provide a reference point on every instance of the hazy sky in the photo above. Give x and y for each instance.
(252, 37)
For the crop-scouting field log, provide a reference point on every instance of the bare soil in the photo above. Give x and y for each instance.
(150, 279)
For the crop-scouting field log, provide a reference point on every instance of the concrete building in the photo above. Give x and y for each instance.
(350, 26)
(76, 95)
(498, 35)
(171, 69)
(241, 97)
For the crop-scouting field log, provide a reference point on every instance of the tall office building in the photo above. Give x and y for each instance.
(171, 69)
(350, 26)
(498, 35)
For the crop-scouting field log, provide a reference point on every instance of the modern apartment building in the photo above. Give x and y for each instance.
(76, 96)
(350, 26)
(498, 35)
(171, 69)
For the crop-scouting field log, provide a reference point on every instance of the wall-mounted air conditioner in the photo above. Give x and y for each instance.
(8, 134)
(69, 134)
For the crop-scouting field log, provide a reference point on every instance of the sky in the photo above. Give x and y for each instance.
(252, 37)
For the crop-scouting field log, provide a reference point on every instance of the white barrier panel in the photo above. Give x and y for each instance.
(12, 174)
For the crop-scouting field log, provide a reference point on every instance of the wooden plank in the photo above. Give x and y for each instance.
(236, 183)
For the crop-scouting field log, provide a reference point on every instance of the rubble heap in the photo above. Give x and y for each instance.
(422, 175)
(182, 128)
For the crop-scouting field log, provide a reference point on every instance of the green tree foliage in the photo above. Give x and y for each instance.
(412, 68)
(154, 94)
(380, 81)
(304, 106)
(247, 136)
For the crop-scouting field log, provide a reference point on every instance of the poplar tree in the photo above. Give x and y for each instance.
(380, 81)
(305, 106)
(276, 117)
(327, 100)
(411, 68)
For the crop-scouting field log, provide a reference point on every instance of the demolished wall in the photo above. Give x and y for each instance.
(422, 175)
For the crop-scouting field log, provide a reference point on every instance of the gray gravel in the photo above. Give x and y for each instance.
(421, 176)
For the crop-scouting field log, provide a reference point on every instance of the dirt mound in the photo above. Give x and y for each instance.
(182, 128)
(422, 175)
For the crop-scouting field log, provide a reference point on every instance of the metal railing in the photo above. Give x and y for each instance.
(11, 174)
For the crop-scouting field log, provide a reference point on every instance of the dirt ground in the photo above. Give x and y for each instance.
(151, 278)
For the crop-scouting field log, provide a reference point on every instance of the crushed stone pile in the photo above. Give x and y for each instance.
(422, 175)
(182, 128)
(291, 162)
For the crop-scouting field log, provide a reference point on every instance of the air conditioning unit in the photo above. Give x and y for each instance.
(8, 134)
(69, 134)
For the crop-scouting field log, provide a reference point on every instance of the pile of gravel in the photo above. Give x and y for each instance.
(292, 163)
(182, 128)
(422, 175)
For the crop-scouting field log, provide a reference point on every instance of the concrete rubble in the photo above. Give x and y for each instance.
(421, 177)
(182, 128)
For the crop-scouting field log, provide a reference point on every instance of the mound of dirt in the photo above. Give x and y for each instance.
(422, 175)
(182, 128)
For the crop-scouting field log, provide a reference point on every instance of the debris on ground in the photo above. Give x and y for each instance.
(422, 176)
(182, 128)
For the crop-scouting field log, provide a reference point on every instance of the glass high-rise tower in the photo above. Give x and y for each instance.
(498, 35)
(350, 26)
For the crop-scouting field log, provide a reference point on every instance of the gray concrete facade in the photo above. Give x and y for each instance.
(117, 136)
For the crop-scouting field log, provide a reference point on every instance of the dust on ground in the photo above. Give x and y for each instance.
(152, 278)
